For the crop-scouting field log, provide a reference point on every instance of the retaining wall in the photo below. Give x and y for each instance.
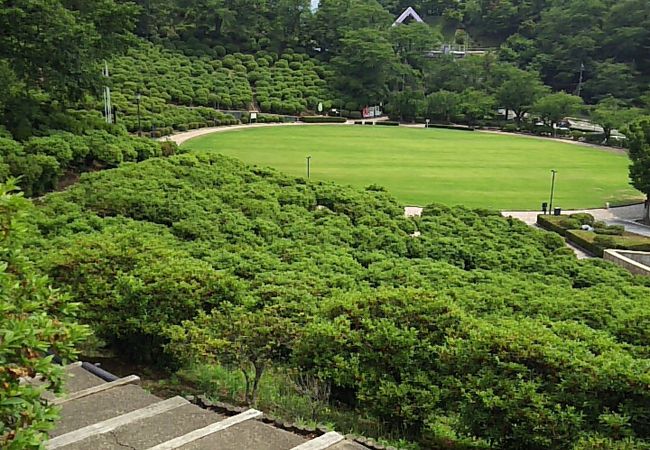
(637, 263)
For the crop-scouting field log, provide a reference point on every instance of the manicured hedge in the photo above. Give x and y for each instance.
(387, 123)
(174, 87)
(322, 119)
(450, 127)
(584, 240)
(598, 243)
(550, 223)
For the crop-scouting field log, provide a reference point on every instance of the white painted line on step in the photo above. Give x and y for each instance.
(115, 422)
(322, 442)
(203, 432)
(96, 389)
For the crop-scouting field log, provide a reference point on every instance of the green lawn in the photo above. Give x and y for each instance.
(420, 166)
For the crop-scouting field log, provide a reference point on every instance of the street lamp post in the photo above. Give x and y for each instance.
(137, 99)
(308, 167)
(550, 204)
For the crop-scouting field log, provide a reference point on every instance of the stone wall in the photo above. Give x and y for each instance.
(637, 263)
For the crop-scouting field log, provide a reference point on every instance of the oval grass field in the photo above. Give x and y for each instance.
(420, 166)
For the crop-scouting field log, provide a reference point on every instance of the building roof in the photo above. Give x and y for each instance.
(408, 12)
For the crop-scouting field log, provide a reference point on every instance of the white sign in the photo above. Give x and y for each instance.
(253, 115)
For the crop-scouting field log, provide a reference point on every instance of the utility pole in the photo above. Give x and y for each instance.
(550, 205)
(582, 71)
(108, 108)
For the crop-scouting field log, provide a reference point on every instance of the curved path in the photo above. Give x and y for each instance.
(180, 138)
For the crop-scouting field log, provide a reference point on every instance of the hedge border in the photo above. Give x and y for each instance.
(550, 226)
(450, 127)
(322, 119)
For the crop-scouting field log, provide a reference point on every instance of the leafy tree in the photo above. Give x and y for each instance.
(519, 92)
(638, 134)
(552, 108)
(616, 79)
(476, 105)
(405, 105)
(365, 67)
(249, 340)
(335, 18)
(412, 42)
(443, 105)
(57, 45)
(611, 113)
(35, 320)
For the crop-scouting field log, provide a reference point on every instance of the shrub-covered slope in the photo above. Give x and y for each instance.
(176, 89)
(481, 327)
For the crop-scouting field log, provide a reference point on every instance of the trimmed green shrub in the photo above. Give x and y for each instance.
(569, 223)
(387, 123)
(583, 218)
(551, 223)
(322, 119)
(450, 127)
(55, 146)
(611, 230)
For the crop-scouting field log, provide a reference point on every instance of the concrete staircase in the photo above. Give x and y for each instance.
(101, 415)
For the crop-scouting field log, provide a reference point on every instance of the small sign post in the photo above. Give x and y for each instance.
(253, 117)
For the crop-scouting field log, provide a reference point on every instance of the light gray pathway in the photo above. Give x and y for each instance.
(631, 226)
(180, 138)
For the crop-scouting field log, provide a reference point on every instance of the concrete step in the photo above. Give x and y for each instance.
(323, 442)
(145, 433)
(78, 378)
(70, 396)
(249, 435)
(109, 425)
(200, 433)
(76, 414)
(348, 445)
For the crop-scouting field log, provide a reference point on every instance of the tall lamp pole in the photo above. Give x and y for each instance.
(550, 204)
(308, 167)
(137, 99)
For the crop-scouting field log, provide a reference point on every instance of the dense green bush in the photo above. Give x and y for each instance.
(612, 230)
(322, 119)
(387, 123)
(480, 328)
(510, 128)
(173, 87)
(35, 321)
(42, 161)
(583, 218)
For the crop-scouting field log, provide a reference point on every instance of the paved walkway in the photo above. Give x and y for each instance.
(180, 138)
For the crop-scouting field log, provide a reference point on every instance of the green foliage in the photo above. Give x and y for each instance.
(639, 144)
(553, 108)
(172, 85)
(583, 218)
(237, 337)
(480, 328)
(322, 119)
(35, 320)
